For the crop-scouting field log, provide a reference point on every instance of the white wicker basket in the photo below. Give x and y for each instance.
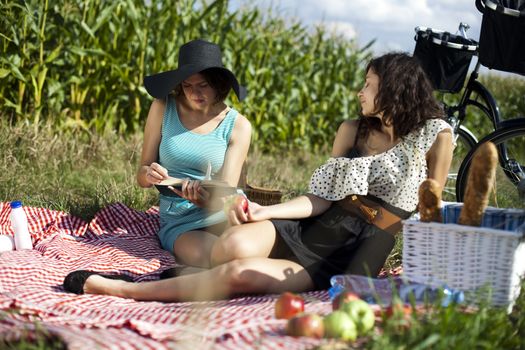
(487, 261)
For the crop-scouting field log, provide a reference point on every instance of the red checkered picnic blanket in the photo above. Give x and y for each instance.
(123, 240)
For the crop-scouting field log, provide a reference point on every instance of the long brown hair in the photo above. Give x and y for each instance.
(405, 95)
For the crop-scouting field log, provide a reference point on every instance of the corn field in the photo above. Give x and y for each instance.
(80, 64)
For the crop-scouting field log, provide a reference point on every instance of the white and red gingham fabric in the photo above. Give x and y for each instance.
(122, 240)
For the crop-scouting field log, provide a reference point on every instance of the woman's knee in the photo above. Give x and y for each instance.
(193, 249)
(232, 244)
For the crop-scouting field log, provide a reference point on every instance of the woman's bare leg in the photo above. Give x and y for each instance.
(249, 240)
(252, 275)
(193, 248)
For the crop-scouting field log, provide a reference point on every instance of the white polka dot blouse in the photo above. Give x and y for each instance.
(394, 175)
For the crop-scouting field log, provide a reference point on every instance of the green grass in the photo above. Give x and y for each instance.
(453, 328)
(76, 172)
(31, 338)
(82, 172)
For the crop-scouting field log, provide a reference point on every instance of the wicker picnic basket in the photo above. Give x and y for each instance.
(260, 195)
(487, 263)
(263, 196)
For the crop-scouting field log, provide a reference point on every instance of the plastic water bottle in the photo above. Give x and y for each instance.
(7, 243)
(19, 223)
(383, 290)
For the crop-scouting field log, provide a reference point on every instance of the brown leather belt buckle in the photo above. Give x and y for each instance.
(380, 217)
(370, 213)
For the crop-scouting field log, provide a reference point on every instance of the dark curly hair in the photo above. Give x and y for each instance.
(405, 95)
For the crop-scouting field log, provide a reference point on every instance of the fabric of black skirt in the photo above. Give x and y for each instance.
(332, 243)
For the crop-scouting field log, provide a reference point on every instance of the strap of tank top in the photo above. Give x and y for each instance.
(229, 123)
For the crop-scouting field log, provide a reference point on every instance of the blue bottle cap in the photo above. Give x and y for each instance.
(335, 291)
(452, 296)
(16, 204)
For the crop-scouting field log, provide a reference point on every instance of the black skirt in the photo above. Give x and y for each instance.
(335, 242)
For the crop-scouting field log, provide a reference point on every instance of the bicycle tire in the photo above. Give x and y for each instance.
(465, 141)
(511, 134)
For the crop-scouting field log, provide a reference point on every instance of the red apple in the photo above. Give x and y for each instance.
(241, 201)
(235, 200)
(399, 309)
(288, 305)
(305, 325)
(399, 316)
(343, 297)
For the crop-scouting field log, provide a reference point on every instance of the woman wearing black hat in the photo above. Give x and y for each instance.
(346, 224)
(191, 133)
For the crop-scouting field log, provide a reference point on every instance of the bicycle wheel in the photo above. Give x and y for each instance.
(510, 140)
(465, 141)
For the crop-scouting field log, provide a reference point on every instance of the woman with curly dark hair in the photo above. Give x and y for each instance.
(411, 102)
(346, 223)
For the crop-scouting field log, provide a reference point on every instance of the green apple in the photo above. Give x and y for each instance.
(338, 324)
(361, 313)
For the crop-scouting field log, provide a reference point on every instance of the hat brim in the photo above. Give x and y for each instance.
(161, 84)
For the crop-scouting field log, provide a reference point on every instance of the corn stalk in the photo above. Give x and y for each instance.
(80, 64)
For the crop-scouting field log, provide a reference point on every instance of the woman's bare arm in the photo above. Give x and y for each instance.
(345, 138)
(439, 157)
(237, 150)
(150, 147)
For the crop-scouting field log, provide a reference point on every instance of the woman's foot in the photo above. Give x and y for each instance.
(92, 282)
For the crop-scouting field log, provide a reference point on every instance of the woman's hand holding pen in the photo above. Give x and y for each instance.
(155, 173)
(190, 189)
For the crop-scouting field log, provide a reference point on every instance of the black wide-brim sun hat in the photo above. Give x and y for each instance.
(194, 57)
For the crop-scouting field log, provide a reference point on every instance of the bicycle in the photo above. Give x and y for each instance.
(446, 59)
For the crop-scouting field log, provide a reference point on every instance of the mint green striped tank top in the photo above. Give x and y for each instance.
(186, 154)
